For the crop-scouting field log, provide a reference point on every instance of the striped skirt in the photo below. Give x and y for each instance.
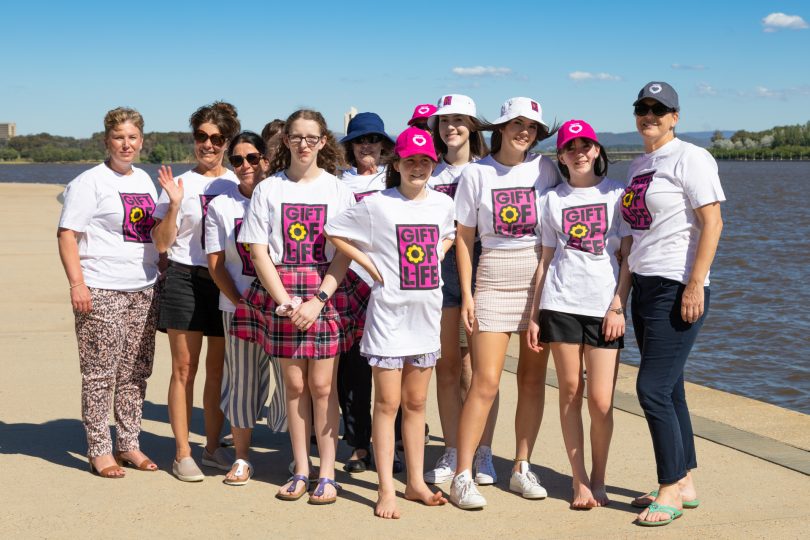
(504, 288)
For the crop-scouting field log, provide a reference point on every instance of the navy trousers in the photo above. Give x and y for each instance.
(664, 341)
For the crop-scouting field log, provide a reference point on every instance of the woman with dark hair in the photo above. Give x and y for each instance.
(300, 309)
(581, 294)
(246, 377)
(498, 196)
(672, 204)
(459, 141)
(366, 146)
(189, 302)
(111, 265)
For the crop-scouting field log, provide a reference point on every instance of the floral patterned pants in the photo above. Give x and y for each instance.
(116, 350)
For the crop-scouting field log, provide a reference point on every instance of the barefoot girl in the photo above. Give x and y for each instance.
(459, 142)
(582, 295)
(299, 311)
(399, 236)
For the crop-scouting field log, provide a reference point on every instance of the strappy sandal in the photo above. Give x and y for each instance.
(322, 483)
(290, 494)
(241, 465)
(145, 465)
(106, 472)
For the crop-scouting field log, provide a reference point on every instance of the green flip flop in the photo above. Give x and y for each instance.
(671, 511)
(690, 505)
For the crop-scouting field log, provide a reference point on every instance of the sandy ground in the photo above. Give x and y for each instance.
(46, 490)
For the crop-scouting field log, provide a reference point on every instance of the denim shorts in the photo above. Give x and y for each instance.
(451, 290)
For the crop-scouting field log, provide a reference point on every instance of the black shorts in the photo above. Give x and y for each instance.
(190, 301)
(558, 327)
(451, 287)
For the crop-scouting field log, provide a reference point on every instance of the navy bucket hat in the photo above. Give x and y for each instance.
(365, 123)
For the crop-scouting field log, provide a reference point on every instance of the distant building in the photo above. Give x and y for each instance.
(7, 131)
(347, 117)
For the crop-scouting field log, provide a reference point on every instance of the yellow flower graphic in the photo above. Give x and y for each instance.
(627, 200)
(136, 214)
(246, 247)
(297, 231)
(509, 214)
(578, 230)
(415, 254)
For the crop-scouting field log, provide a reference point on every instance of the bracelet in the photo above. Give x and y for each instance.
(76, 285)
(618, 311)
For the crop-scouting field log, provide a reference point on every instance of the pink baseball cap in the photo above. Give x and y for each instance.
(414, 141)
(422, 112)
(573, 129)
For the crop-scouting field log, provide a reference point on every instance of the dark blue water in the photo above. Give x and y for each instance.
(756, 341)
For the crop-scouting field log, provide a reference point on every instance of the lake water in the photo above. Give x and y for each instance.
(756, 341)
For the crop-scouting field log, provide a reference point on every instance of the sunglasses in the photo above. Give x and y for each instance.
(372, 138)
(252, 159)
(216, 139)
(659, 109)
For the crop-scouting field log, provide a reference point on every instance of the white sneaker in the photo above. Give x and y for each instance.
(526, 483)
(485, 474)
(464, 494)
(445, 468)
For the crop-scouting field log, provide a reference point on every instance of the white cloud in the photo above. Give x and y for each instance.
(705, 89)
(696, 67)
(781, 21)
(482, 71)
(588, 76)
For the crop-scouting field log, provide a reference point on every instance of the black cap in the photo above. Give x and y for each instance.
(660, 92)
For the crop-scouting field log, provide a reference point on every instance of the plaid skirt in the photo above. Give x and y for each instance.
(339, 325)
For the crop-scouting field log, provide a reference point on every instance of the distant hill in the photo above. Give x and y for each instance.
(631, 140)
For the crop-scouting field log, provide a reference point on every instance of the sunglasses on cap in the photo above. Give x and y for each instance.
(372, 138)
(659, 109)
(216, 139)
(252, 159)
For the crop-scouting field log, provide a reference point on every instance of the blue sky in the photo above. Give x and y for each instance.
(735, 66)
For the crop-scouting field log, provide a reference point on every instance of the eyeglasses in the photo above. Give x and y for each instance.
(312, 140)
(216, 139)
(659, 109)
(372, 138)
(252, 159)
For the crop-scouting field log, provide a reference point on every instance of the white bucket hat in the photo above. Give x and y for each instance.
(453, 104)
(520, 106)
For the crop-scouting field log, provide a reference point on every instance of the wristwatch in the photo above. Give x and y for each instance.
(617, 311)
(322, 296)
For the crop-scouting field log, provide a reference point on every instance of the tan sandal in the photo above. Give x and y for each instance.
(106, 472)
(145, 465)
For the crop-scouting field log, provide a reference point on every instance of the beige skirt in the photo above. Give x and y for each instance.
(504, 286)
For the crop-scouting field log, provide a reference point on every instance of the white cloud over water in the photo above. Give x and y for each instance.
(705, 89)
(482, 71)
(781, 21)
(580, 76)
(688, 67)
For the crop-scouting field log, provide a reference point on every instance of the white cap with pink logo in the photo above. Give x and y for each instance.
(521, 106)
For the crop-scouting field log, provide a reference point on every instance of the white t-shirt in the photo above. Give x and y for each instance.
(363, 185)
(113, 214)
(290, 216)
(586, 227)
(445, 178)
(665, 187)
(222, 224)
(198, 192)
(402, 238)
(502, 201)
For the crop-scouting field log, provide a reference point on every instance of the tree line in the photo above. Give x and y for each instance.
(169, 147)
(780, 142)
